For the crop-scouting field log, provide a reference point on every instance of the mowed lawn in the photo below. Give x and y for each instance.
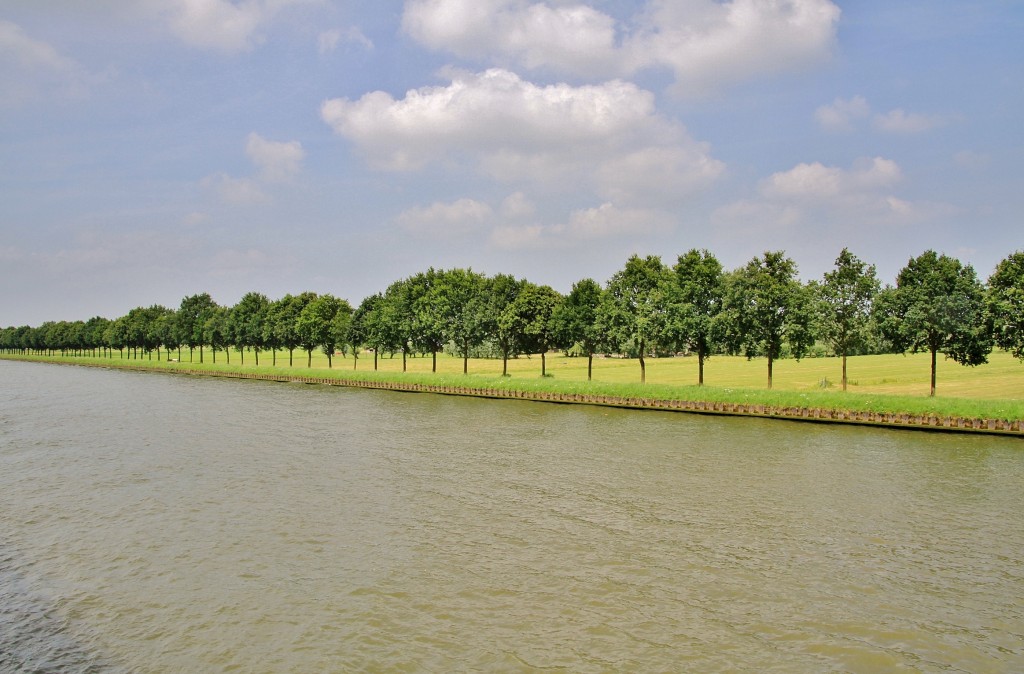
(1002, 378)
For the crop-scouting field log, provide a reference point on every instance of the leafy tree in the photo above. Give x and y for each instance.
(635, 304)
(845, 304)
(340, 333)
(697, 297)
(395, 318)
(575, 320)
(938, 304)
(1005, 304)
(284, 321)
(367, 318)
(191, 321)
(505, 328)
(248, 321)
(217, 331)
(459, 299)
(532, 310)
(428, 321)
(316, 326)
(767, 306)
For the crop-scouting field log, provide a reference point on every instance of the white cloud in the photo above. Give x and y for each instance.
(839, 116)
(277, 161)
(32, 67)
(607, 138)
(705, 43)
(451, 219)
(223, 25)
(816, 182)
(604, 222)
(516, 206)
(329, 40)
(237, 191)
(900, 121)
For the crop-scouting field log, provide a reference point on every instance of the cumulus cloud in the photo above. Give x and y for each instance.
(277, 161)
(554, 136)
(329, 40)
(704, 42)
(604, 222)
(457, 218)
(811, 198)
(32, 66)
(840, 114)
(900, 121)
(223, 25)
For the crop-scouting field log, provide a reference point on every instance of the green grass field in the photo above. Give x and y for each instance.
(886, 383)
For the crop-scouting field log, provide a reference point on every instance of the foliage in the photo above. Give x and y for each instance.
(696, 302)
(634, 306)
(1005, 304)
(575, 320)
(936, 306)
(845, 300)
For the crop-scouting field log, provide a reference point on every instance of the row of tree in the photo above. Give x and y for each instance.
(695, 307)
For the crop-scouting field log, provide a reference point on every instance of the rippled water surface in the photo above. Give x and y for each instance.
(151, 523)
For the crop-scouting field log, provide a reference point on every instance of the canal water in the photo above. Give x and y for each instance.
(156, 523)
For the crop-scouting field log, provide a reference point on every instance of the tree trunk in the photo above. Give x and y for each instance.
(844, 371)
(273, 358)
(504, 363)
(403, 360)
(700, 367)
(931, 394)
(201, 354)
(590, 366)
(257, 357)
(465, 357)
(309, 358)
(543, 365)
(375, 360)
(355, 360)
(643, 365)
(330, 353)
(770, 362)
(433, 365)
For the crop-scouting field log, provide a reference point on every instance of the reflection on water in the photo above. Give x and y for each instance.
(159, 524)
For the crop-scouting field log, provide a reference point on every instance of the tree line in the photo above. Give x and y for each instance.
(647, 308)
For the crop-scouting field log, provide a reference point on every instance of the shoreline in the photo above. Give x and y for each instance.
(896, 421)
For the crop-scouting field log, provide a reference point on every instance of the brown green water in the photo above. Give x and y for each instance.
(151, 523)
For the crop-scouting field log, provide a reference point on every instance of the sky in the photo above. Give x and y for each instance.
(154, 149)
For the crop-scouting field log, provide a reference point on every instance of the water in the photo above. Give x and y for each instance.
(151, 523)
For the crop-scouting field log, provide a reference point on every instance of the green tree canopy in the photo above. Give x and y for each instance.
(635, 305)
(697, 297)
(576, 321)
(845, 304)
(1005, 304)
(938, 305)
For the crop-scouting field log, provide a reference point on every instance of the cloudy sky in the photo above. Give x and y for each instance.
(152, 149)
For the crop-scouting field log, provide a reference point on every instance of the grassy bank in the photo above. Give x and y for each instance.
(879, 384)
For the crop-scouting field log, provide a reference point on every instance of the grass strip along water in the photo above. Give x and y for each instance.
(999, 417)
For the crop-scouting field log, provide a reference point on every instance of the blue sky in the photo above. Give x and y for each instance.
(150, 150)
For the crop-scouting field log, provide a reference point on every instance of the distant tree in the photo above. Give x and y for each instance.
(532, 310)
(504, 326)
(938, 304)
(395, 318)
(635, 302)
(697, 297)
(316, 326)
(1005, 304)
(285, 314)
(116, 334)
(167, 332)
(191, 321)
(768, 307)
(217, 331)
(575, 320)
(367, 318)
(460, 302)
(845, 304)
(340, 333)
(429, 329)
(248, 319)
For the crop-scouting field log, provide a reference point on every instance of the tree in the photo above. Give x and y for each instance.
(285, 319)
(634, 306)
(938, 304)
(459, 300)
(367, 318)
(532, 310)
(697, 300)
(395, 318)
(217, 331)
(340, 333)
(767, 306)
(1005, 304)
(248, 319)
(428, 320)
(575, 320)
(316, 326)
(845, 304)
(500, 292)
(191, 321)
